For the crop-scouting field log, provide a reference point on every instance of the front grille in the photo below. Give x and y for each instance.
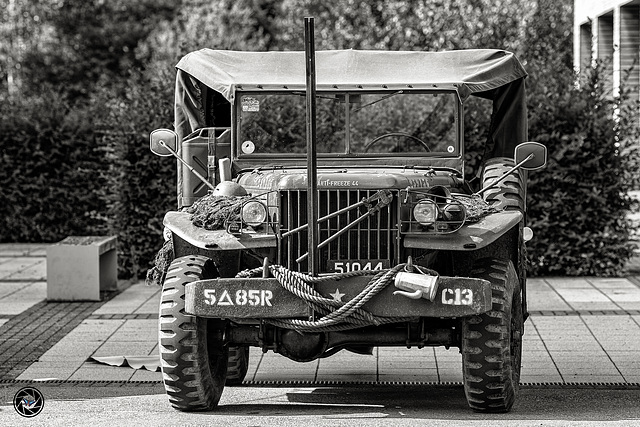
(371, 239)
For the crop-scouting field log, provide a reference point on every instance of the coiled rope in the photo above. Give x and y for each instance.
(337, 315)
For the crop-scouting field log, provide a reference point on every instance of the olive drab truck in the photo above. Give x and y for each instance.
(384, 244)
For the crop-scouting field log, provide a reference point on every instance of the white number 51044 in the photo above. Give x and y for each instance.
(347, 267)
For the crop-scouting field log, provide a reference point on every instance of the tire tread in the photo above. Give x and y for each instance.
(491, 382)
(186, 374)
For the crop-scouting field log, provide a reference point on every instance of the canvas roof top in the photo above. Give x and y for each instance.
(471, 71)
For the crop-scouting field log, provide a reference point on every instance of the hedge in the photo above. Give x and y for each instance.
(142, 186)
(578, 205)
(51, 170)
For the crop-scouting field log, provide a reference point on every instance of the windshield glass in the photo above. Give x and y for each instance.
(389, 123)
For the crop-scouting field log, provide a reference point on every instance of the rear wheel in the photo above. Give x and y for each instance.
(192, 351)
(238, 365)
(492, 342)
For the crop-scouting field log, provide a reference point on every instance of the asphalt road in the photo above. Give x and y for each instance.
(147, 405)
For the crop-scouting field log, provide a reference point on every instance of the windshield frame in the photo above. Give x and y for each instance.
(386, 93)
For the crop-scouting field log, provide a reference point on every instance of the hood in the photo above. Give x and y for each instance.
(361, 179)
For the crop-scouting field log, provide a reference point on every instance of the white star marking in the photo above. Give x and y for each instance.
(337, 296)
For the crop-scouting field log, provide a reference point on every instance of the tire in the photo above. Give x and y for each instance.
(238, 365)
(509, 194)
(193, 357)
(492, 342)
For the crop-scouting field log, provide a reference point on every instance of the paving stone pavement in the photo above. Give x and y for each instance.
(581, 330)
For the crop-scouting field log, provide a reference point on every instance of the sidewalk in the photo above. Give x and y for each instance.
(581, 330)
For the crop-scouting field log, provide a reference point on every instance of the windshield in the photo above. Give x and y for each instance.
(389, 123)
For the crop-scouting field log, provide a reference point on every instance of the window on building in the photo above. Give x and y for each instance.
(629, 45)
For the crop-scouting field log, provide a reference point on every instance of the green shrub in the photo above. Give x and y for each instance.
(141, 187)
(50, 170)
(578, 205)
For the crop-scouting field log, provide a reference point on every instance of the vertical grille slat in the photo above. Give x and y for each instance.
(289, 248)
(371, 239)
(359, 243)
(388, 234)
(351, 239)
(339, 225)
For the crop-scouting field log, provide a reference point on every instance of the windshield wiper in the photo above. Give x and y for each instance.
(378, 100)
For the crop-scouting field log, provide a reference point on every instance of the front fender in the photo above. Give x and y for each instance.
(471, 236)
(180, 224)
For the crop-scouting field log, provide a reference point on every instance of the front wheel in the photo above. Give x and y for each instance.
(492, 342)
(193, 355)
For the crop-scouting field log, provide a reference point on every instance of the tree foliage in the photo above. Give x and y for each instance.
(411, 25)
(75, 45)
(24, 26)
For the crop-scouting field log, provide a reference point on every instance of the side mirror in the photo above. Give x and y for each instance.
(163, 142)
(531, 155)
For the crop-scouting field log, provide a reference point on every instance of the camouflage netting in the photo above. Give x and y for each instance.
(476, 207)
(164, 257)
(212, 212)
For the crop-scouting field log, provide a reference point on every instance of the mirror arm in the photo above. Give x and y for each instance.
(187, 165)
(503, 177)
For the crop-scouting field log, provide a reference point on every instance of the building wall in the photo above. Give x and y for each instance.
(609, 30)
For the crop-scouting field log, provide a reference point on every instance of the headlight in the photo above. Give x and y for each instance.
(454, 212)
(425, 212)
(254, 213)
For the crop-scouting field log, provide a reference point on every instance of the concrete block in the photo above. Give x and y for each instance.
(78, 268)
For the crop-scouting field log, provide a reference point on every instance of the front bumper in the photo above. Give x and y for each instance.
(266, 298)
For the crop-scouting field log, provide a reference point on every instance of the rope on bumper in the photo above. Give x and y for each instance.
(337, 315)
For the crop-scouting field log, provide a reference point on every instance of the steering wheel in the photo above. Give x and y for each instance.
(392, 134)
